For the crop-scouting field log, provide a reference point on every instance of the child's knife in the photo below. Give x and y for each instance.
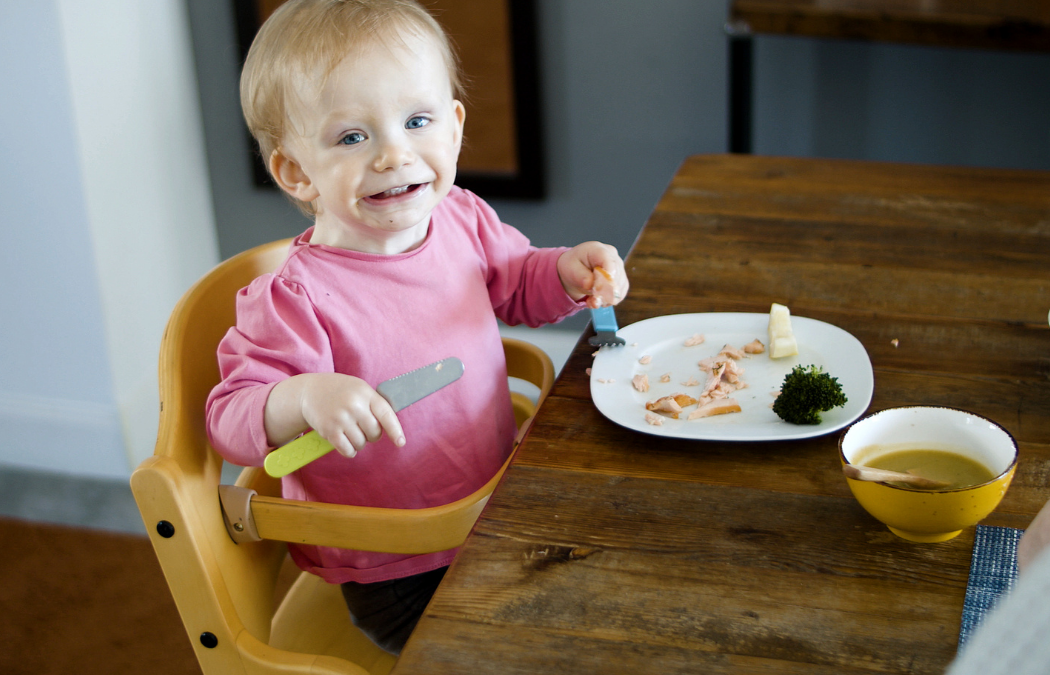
(400, 391)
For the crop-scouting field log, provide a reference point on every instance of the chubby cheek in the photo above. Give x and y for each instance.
(445, 167)
(344, 182)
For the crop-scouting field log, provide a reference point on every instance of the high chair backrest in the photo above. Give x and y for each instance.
(225, 590)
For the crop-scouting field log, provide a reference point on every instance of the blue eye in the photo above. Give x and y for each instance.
(352, 138)
(417, 123)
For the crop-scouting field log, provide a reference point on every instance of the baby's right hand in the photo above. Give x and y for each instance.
(343, 409)
(348, 413)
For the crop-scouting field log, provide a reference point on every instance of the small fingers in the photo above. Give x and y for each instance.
(622, 285)
(615, 266)
(610, 284)
(388, 420)
(353, 439)
(345, 433)
(344, 444)
(348, 412)
(370, 427)
(367, 427)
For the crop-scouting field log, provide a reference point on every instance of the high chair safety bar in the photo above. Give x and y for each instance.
(251, 517)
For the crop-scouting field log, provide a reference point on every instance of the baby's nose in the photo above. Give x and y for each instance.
(393, 154)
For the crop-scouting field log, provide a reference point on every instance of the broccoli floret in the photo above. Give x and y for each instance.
(808, 391)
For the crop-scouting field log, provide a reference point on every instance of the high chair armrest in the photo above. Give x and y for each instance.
(362, 528)
(407, 531)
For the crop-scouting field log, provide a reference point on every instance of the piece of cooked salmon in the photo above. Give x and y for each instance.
(671, 405)
(719, 406)
(754, 347)
(603, 289)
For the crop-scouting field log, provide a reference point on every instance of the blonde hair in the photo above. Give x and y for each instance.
(307, 38)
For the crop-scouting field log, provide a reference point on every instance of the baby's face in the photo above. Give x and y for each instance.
(376, 147)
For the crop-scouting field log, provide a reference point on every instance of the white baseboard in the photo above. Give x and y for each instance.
(62, 436)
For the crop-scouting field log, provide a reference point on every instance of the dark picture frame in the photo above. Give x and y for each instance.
(497, 43)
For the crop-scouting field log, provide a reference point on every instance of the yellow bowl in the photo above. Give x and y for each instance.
(930, 515)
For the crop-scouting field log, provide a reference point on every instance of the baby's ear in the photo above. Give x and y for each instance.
(290, 177)
(461, 117)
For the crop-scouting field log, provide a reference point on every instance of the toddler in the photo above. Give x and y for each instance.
(355, 106)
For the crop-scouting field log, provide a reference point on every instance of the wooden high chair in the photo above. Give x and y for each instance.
(224, 589)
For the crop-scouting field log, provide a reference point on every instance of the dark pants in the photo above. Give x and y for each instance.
(387, 611)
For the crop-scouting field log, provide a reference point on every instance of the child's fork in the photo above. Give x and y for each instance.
(604, 320)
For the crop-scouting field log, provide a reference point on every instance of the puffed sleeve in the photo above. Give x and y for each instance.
(278, 334)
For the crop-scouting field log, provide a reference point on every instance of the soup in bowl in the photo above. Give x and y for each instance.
(972, 458)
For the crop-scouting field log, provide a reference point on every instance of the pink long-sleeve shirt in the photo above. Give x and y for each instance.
(375, 317)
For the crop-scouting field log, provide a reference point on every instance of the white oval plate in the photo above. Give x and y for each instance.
(839, 353)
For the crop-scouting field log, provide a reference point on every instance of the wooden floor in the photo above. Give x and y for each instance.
(90, 602)
(85, 601)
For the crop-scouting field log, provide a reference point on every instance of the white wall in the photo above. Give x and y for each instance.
(629, 90)
(106, 219)
(56, 400)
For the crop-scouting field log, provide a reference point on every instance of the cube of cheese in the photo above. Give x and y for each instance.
(781, 338)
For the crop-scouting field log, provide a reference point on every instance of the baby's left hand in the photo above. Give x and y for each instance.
(576, 271)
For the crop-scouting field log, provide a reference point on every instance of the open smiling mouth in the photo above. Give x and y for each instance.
(399, 191)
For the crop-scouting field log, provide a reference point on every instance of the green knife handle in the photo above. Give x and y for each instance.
(296, 454)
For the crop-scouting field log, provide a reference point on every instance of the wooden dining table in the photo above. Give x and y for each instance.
(608, 550)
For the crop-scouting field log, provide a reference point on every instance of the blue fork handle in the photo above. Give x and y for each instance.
(604, 320)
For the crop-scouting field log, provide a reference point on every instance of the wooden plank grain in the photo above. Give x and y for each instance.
(1018, 407)
(817, 285)
(783, 187)
(755, 528)
(949, 271)
(573, 435)
(609, 550)
(451, 647)
(704, 568)
(970, 245)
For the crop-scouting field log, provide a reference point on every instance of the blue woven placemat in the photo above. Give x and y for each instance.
(993, 571)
